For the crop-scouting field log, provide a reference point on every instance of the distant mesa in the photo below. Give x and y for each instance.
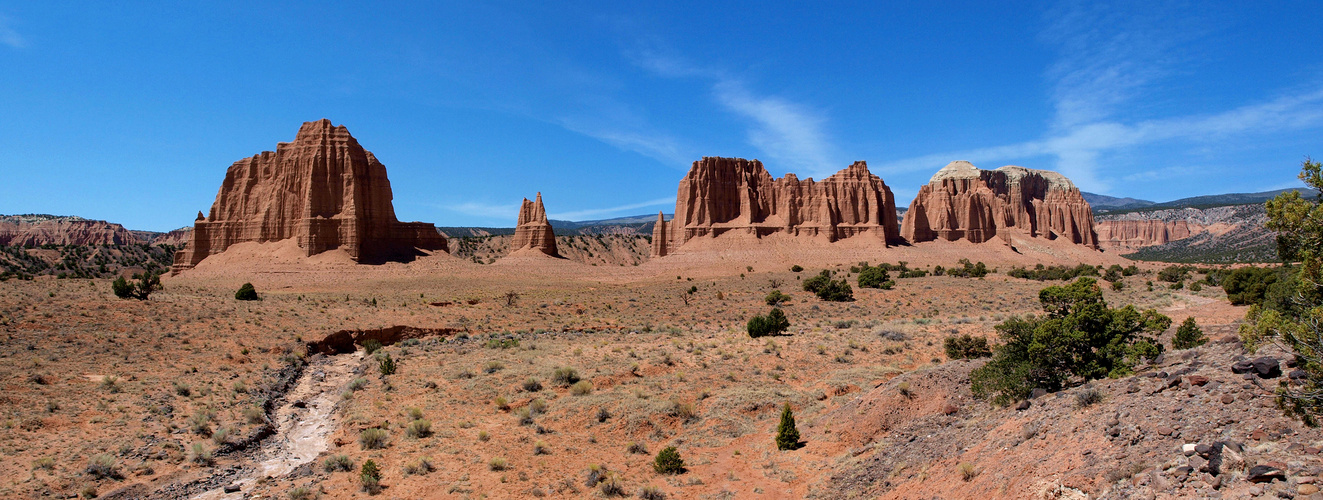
(964, 202)
(533, 232)
(1124, 235)
(736, 196)
(34, 230)
(323, 189)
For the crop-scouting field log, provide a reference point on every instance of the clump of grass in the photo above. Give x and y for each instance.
(525, 416)
(1088, 396)
(611, 486)
(103, 466)
(419, 429)
(301, 493)
(498, 464)
(183, 389)
(540, 448)
(414, 412)
(420, 467)
(967, 471)
(372, 439)
(905, 390)
(200, 455)
(537, 406)
(565, 376)
(110, 383)
(254, 415)
(200, 422)
(532, 385)
(484, 436)
(651, 493)
(581, 388)
(603, 415)
(493, 367)
(47, 463)
(637, 448)
(338, 463)
(596, 474)
(358, 384)
(221, 436)
(684, 411)
(502, 403)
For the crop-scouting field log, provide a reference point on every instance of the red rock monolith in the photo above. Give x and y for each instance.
(962, 201)
(738, 196)
(323, 189)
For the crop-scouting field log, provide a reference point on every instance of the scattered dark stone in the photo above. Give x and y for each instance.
(1037, 393)
(300, 404)
(1258, 435)
(1203, 450)
(1267, 367)
(1173, 382)
(1298, 375)
(1024, 405)
(1242, 367)
(1264, 474)
(1162, 375)
(1295, 448)
(1249, 376)
(1184, 470)
(1311, 450)
(1164, 430)
(1227, 399)
(1197, 380)
(232, 487)
(1161, 357)
(1292, 362)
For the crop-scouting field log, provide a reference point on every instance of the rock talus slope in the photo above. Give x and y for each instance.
(33, 231)
(323, 189)
(962, 201)
(734, 195)
(533, 231)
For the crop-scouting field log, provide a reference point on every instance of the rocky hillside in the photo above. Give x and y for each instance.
(1200, 423)
(1223, 234)
(597, 250)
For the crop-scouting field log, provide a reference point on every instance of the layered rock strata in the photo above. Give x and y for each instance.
(734, 195)
(533, 232)
(323, 189)
(962, 201)
(35, 230)
(1135, 234)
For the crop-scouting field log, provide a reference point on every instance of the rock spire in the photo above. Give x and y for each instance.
(533, 231)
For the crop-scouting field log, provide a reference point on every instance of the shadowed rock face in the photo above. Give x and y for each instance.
(323, 189)
(1135, 234)
(965, 202)
(533, 231)
(734, 195)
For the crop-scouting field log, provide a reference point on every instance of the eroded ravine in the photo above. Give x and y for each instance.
(304, 424)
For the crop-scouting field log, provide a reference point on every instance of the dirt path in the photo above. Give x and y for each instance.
(303, 424)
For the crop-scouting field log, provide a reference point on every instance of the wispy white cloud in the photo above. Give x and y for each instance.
(1109, 59)
(655, 145)
(1077, 149)
(789, 133)
(597, 212)
(9, 36)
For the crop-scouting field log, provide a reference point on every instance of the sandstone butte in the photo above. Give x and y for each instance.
(323, 189)
(738, 196)
(533, 232)
(17, 231)
(962, 201)
(1138, 233)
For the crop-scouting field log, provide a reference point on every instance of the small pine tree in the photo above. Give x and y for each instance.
(370, 476)
(246, 292)
(787, 436)
(1189, 335)
(386, 365)
(668, 461)
(122, 288)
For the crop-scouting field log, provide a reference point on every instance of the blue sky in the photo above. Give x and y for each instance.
(131, 112)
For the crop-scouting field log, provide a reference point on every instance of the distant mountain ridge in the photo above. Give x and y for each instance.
(1103, 204)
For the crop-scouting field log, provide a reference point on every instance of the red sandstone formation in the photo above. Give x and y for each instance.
(1135, 234)
(734, 195)
(965, 202)
(37, 230)
(323, 189)
(533, 231)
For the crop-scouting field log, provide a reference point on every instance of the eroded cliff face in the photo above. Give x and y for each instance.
(965, 202)
(1124, 235)
(533, 232)
(734, 195)
(323, 189)
(34, 231)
